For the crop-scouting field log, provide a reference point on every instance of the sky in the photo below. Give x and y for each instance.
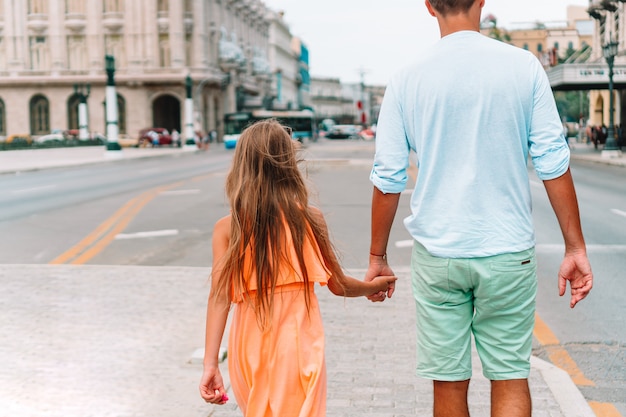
(375, 38)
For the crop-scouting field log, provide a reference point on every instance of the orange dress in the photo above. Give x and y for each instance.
(280, 371)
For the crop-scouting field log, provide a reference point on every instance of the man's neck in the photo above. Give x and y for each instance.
(457, 23)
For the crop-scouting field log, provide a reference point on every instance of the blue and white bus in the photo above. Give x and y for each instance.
(301, 122)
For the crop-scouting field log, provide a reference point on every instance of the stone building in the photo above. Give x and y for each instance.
(52, 51)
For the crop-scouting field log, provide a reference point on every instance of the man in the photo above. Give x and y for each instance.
(473, 109)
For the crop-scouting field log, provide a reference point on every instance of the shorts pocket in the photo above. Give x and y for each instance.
(431, 281)
(510, 282)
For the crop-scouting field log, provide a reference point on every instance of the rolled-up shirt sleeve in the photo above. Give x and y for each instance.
(389, 172)
(548, 148)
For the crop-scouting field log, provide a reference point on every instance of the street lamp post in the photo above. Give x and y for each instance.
(113, 146)
(82, 90)
(610, 147)
(190, 142)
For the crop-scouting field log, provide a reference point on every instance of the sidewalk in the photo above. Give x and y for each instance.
(37, 159)
(127, 341)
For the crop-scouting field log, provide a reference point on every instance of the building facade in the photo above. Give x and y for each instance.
(52, 51)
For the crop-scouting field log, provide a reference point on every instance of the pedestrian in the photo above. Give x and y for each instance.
(472, 109)
(176, 138)
(267, 255)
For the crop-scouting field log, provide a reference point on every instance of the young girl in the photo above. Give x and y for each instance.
(267, 255)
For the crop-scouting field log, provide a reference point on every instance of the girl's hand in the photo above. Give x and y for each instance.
(383, 283)
(212, 387)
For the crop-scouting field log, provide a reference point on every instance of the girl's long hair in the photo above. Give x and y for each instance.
(268, 196)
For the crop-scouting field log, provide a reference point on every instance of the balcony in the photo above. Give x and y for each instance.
(75, 22)
(38, 22)
(113, 21)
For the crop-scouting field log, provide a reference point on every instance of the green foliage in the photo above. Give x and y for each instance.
(572, 104)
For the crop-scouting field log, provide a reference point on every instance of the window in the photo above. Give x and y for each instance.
(75, 6)
(39, 115)
(77, 53)
(525, 46)
(114, 45)
(3, 55)
(556, 46)
(188, 49)
(3, 124)
(113, 6)
(38, 53)
(37, 7)
(72, 111)
(164, 50)
(539, 47)
(163, 6)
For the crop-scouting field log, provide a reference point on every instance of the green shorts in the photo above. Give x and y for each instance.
(491, 298)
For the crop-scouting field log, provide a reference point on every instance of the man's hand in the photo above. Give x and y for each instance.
(576, 269)
(378, 266)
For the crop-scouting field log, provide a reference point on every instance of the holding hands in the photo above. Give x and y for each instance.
(379, 270)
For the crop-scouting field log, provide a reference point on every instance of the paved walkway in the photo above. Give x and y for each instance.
(127, 341)
(123, 341)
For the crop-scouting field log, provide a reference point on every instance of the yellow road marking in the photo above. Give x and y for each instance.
(105, 233)
(604, 409)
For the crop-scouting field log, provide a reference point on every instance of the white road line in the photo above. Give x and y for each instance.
(545, 247)
(594, 248)
(181, 192)
(34, 189)
(155, 233)
(404, 243)
(619, 212)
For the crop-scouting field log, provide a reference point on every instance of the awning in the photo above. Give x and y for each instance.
(569, 77)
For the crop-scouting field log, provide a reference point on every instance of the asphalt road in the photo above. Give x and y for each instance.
(160, 212)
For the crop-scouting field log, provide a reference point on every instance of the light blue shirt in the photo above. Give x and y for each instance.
(472, 109)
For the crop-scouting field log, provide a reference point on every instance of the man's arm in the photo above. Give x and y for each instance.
(384, 207)
(575, 267)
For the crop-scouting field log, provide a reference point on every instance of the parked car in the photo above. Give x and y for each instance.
(343, 132)
(50, 139)
(163, 136)
(19, 139)
(126, 141)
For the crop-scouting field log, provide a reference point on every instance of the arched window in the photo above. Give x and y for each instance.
(39, 115)
(525, 46)
(3, 124)
(72, 111)
(539, 47)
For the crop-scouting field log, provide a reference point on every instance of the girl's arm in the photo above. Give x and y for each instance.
(211, 385)
(346, 286)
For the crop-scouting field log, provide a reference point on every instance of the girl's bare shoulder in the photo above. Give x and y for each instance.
(222, 226)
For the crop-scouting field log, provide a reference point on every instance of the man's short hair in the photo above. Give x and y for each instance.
(452, 6)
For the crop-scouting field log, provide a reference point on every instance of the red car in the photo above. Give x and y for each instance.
(146, 136)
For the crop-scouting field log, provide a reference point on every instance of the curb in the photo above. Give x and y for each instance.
(566, 393)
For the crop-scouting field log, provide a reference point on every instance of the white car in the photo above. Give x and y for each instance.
(50, 138)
